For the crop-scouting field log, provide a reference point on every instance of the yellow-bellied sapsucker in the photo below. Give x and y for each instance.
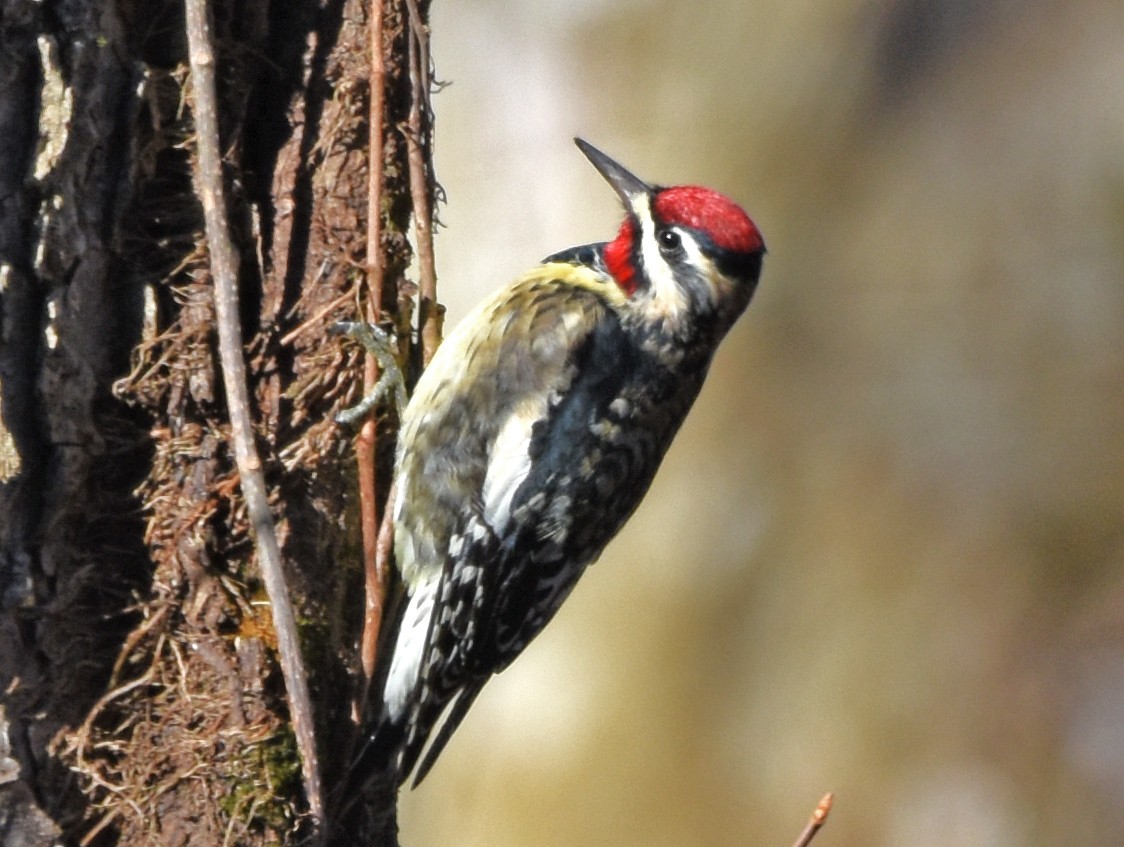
(535, 432)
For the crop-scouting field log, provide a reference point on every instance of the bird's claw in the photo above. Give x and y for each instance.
(380, 344)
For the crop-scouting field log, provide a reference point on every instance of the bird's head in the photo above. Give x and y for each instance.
(684, 254)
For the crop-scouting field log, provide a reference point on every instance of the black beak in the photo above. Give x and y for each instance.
(630, 187)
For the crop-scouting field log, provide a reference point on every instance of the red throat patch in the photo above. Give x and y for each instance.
(723, 220)
(618, 258)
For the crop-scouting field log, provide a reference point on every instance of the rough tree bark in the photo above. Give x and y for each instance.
(142, 701)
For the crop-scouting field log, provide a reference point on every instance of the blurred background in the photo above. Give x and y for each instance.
(885, 556)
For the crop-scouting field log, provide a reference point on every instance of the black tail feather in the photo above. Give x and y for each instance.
(452, 720)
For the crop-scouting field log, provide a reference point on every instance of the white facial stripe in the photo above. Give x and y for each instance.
(694, 253)
(667, 297)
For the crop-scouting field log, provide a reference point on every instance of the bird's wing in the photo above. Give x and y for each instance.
(466, 451)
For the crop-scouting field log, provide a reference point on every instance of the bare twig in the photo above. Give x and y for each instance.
(376, 146)
(321, 313)
(818, 819)
(134, 639)
(224, 268)
(365, 445)
(378, 578)
(430, 312)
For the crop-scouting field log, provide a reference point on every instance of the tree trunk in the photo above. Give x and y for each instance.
(141, 692)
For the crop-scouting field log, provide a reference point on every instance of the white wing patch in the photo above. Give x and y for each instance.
(509, 464)
(409, 648)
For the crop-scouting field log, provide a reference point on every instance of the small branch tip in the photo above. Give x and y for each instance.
(824, 808)
(817, 820)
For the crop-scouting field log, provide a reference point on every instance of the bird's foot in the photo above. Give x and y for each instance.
(380, 344)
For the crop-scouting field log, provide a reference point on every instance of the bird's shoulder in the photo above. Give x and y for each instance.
(521, 339)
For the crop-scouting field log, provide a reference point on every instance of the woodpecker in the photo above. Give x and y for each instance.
(535, 432)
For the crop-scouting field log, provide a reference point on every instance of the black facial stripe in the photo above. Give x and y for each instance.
(732, 263)
(641, 278)
(744, 266)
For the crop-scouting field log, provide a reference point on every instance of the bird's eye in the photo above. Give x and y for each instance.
(669, 240)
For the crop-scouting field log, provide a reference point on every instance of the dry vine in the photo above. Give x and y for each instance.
(418, 136)
(418, 140)
(375, 579)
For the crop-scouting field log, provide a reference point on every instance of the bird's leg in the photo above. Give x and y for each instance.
(379, 343)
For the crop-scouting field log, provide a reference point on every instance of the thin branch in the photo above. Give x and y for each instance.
(224, 269)
(818, 819)
(323, 312)
(365, 454)
(430, 313)
(378, 579)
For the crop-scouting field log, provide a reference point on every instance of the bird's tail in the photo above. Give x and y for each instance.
(422, 725)
(371, 781)
(378, 751)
